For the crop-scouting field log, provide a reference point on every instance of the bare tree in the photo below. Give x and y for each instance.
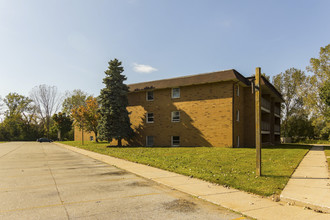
(47, 101)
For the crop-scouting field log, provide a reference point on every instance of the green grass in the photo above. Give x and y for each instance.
(234, 167)
(315, 142)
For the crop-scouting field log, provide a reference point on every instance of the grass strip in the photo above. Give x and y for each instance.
(234, 167)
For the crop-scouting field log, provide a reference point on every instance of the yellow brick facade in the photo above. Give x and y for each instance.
(205, 115)
(217, 114)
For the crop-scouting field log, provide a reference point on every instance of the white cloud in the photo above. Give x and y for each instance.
(141, 68)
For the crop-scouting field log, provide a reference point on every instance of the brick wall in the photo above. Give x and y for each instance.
(205, 115)
(78, 135)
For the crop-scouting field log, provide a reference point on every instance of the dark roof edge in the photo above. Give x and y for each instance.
(270, 85)
(180, 77)
(241, 78)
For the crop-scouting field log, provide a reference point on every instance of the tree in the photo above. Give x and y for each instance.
(317, 97)
(325, 93)
(17, 104)
(47, 101)
(78, 115)
(114, 121)
(87, 116)
(290, 84)
(63, 124)
(73, 99)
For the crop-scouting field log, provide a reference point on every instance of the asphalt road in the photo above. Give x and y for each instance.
(45, 181)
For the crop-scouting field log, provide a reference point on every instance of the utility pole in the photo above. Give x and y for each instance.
(258, 120)
(82, 136)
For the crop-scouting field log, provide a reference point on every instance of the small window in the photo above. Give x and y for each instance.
(91, 138)
(150, 141)
(237, 90)
(150, 117)
(237, 115)
(175, 140)
(150, 95)
(175, 93)
(176, 116)
(237, 141)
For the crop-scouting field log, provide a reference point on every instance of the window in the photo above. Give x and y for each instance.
(237, 141)
(175, 140)
(237, 115)
(91, 138)
(150, 141)
(176, 116)
(175, 93)
(237, 92)
(150, 117)
(150, 95)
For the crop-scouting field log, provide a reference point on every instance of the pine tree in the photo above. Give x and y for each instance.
(114, 121)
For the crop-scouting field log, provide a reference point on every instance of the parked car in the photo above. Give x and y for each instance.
(44, 140)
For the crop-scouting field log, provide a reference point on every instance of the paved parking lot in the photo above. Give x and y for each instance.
(44, 181)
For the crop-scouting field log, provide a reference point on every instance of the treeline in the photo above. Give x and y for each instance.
(305, 111)
(26, 118)
(45, 113)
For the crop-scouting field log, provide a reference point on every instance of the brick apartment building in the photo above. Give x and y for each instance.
(212, 109)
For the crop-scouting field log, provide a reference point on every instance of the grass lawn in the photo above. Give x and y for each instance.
(234, 167)
(315, 142)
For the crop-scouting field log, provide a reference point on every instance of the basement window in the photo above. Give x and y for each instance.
(150, 117)
(150, 141)
(150, 95)
(175, 116)
(175, 93)
(175, 141)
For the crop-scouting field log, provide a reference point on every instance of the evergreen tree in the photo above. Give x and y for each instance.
(114, 121)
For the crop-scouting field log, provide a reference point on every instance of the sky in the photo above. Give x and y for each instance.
(68, 43)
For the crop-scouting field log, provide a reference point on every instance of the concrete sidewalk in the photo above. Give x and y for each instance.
(248, 204)
(310, 184)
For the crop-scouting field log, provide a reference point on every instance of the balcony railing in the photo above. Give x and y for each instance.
(276, 128)
(277, 110)
(265, 103)
(265, 126)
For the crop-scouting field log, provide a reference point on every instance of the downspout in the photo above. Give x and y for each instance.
(233, 116)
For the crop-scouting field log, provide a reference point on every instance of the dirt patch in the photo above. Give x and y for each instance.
(140, 184)
(180, 205)
(114, 173)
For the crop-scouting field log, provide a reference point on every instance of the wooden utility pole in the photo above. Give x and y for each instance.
(82, 136)
(258, 120)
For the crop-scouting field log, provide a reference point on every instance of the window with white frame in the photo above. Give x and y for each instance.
(175, 116)
(150, 95)
(150, 141)
(150, 117)
(175, 140)
(175, 93)
(237, 115)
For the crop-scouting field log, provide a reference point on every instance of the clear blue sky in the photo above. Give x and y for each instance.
(67, 43)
